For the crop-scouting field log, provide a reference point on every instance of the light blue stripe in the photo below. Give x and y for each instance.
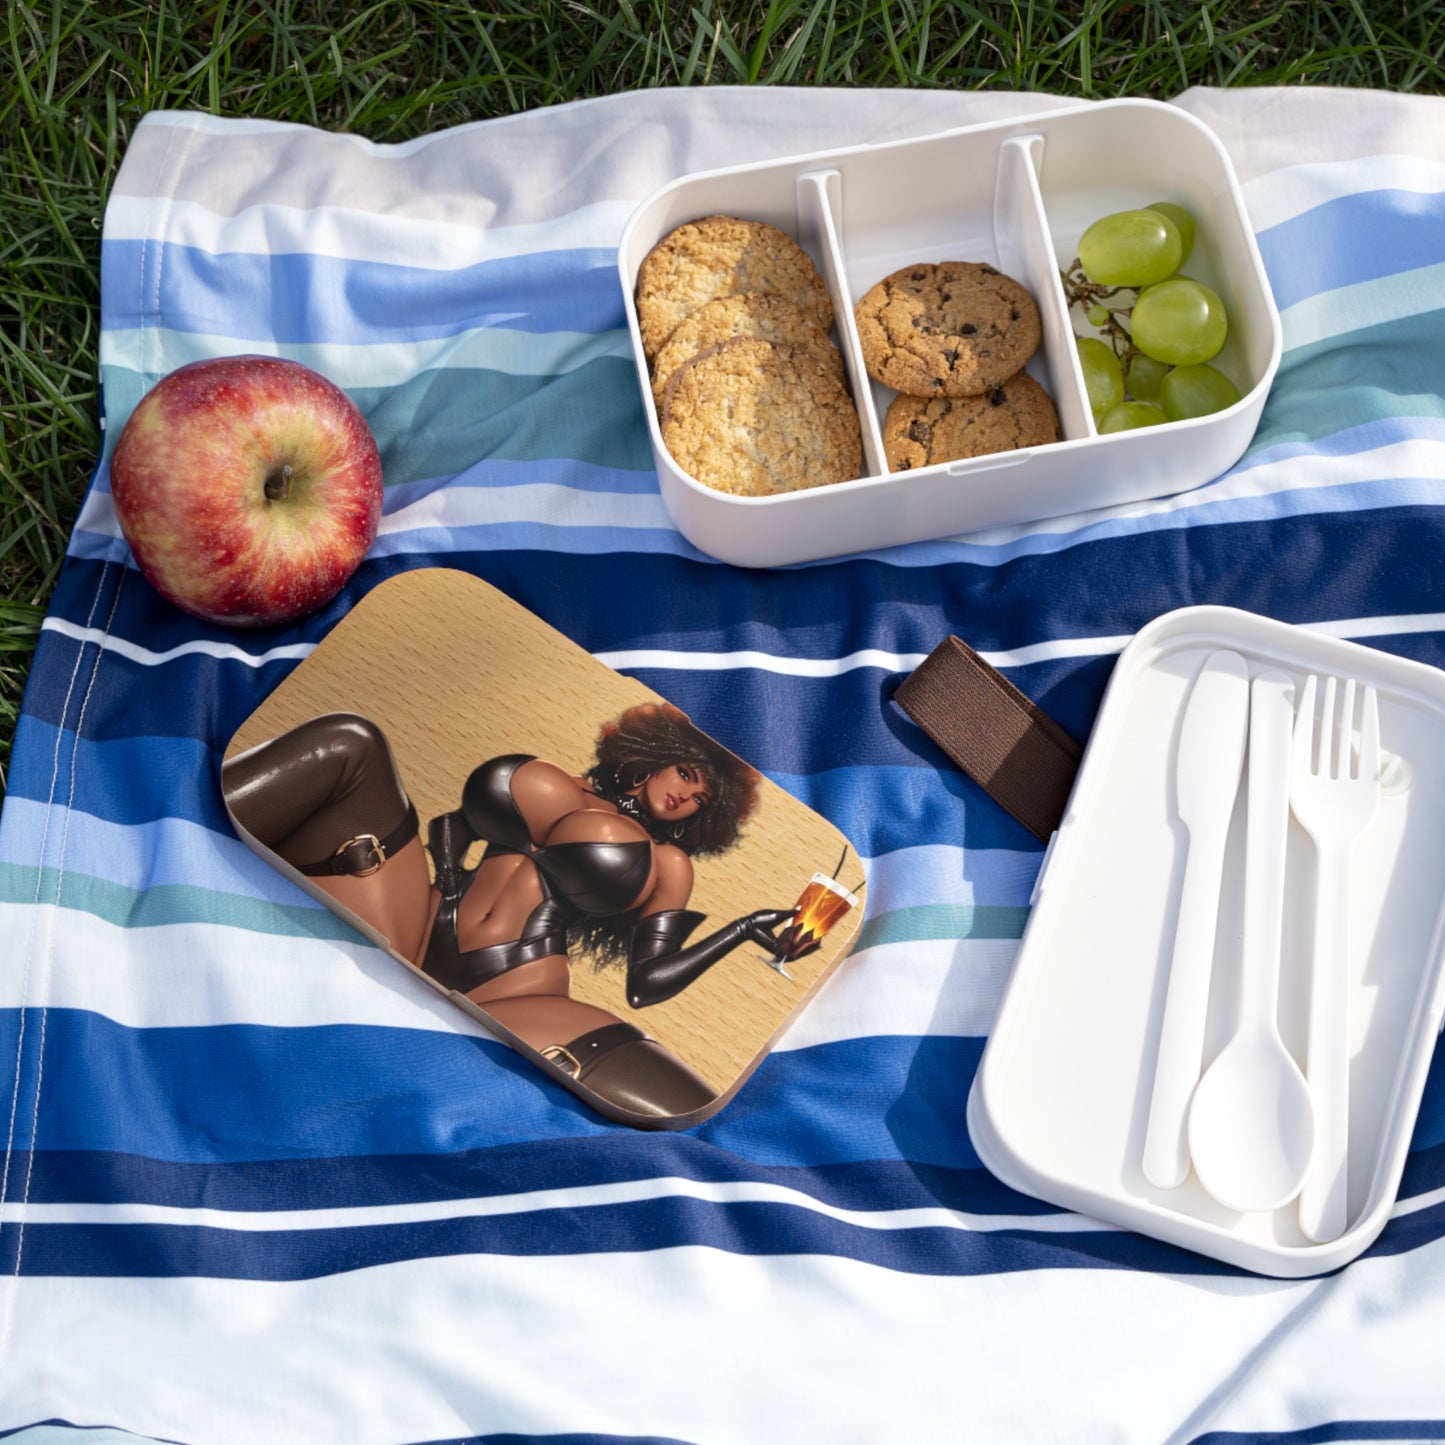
(913, 876)
(556, 536)
(298, 298)
(165, 853)
(1370, 494)
(1299, 422)
(880, 808)
(78, 1435)
(1350, 239)
(495, 472)
(173, 852)
(559, 537)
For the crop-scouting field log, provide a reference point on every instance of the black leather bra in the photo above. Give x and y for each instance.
(581, 879)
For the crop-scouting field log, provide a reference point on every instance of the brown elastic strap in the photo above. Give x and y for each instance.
(1011, 748)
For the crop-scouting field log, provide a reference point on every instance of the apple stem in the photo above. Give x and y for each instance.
(278, 484)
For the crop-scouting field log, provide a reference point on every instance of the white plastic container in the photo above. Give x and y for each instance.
(1016, 195)
(1060, 1104)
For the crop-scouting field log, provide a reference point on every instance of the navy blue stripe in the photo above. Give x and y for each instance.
(569, 1438)
(460, 1117)
(351, 1090)
(1344, 567)
(1350, 239)
(1424, 1170)
(733, 1148)
(1417, 1432)
(85, 596)
(1410, 1231)
(1339, 565)
(880, 810)
(57, 1176)
(299, 297)
(507, 1438)
(757, 1230)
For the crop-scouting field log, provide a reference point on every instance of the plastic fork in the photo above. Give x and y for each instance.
(1334, 794)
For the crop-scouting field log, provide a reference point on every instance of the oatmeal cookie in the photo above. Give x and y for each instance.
(918, 432)
(956, 328)
(748, 313)
(753, 418)
(717, 256)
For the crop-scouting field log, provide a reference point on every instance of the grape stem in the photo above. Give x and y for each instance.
(1086, 295)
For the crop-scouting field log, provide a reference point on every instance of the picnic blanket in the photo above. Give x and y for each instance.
(258, 1184)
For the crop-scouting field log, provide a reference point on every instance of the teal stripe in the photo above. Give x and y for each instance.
(943, 921)
(487, 348)
(439, 423)
(168, 903)
(1375, 374)
(442, 422)
(171, 903)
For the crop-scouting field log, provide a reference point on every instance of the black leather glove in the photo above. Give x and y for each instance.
(658, 966)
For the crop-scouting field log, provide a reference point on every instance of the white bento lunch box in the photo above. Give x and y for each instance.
(1061, 1102)
(1016, 195)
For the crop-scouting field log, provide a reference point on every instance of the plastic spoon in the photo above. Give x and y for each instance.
(1251, 1122)
(1211, 755)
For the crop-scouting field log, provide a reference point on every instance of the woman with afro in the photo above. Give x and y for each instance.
(601, 863)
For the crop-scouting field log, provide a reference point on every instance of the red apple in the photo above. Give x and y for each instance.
(248, 487)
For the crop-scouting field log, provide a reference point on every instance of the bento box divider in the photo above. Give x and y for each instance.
(820, 223)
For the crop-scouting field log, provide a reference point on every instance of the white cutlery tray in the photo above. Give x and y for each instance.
(1016, 195)
(1060, 1104)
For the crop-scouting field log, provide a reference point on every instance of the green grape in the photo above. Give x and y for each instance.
(1144, 376)
(1130, 248)
(1098, 315)
(1103, 376)
(1183, 223)
(1196, 391)
(1129, 415)
(1179, 322)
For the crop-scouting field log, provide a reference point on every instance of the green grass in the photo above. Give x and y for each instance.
(76, 77)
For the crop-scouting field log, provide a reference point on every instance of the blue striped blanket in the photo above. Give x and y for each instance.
(258, 1185)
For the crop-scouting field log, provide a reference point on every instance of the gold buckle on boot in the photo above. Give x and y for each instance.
(378, 853)
(562, 1056)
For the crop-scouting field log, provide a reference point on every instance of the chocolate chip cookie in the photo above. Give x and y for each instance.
(955, 328)
(918, 432)
(717, 256)
(753, 418)
(749, 313)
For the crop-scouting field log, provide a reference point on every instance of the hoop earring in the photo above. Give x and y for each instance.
(679, 831)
